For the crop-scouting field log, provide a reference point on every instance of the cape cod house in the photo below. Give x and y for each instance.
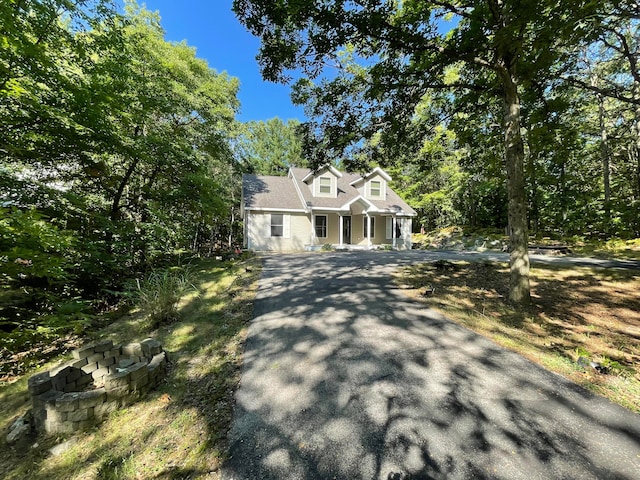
(310, 208)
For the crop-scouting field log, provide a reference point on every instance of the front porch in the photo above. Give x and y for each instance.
(353, 230)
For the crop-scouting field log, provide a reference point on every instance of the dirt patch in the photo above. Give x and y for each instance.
(575, 312)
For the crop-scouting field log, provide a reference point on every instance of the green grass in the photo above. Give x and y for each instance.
(180, 429)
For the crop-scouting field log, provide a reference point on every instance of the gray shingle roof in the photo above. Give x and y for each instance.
(280, 193)
(262, 191)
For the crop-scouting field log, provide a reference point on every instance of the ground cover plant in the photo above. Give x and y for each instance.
(180, 429)
(577, 315)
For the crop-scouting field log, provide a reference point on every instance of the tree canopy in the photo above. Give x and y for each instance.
(116, 150)
(380, 75)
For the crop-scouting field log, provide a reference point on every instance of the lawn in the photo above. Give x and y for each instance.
(180, 429)
(576, 312)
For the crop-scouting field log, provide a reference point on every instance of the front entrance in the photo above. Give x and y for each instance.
(346, 230)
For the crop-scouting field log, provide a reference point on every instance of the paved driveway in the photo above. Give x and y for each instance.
(346, 378)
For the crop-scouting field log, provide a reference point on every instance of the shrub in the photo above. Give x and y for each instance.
(159, 294)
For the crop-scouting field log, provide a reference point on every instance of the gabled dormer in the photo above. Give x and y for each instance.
(323, 182)
(373, 185)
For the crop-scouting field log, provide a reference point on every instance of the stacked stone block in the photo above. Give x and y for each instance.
(100, 378)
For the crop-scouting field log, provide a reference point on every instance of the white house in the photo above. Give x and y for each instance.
(310, 208)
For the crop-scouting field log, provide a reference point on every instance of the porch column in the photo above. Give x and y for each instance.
(313, 229)
(368, 231)
(393, 230)
(340, 228)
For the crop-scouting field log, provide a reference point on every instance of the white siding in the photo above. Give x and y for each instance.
(297, 232)
(383, 187)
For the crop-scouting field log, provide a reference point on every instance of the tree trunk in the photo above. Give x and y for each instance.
(637, 153)
(519, 288)
(606, 171)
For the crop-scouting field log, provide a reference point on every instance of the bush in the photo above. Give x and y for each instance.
(159, 294)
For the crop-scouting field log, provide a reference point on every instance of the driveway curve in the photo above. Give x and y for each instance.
(346, 378)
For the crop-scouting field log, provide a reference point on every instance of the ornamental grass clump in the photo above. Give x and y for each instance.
(160, 293)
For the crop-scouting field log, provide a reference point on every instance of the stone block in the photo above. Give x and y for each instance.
(90, 368)
(84, 380)
(79, 363)
(58, 427)
(118, 395)
(83, 352)
(50, 397)
(55, 415)
(99, 373)
(150, 347)
(80, 414)
(138, 370)
(70, 387)
(83, 425)
(132, 350)
(40, 383)
(74, 374)
(125, 363)
(140, 385)
(67, 402)
(95, 357)
(103, 346)
(117, 380)
(105, 362)
(116, 351)
(92, 398)
(105, 409)
(60, 371)
(58, 382)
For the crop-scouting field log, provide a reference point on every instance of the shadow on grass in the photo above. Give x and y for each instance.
(180, 429)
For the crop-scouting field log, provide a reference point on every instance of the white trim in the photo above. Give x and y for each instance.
(326, 225)
(319, 170)
(347, 205)
(368, 219)
(366, 176)
(275, 209)
(295, 184)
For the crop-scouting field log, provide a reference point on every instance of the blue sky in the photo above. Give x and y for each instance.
(211, 27)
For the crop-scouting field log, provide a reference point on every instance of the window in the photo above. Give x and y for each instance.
(321, 226)
(325, 185)
(277, 225)
(376, 188)
(373, 227)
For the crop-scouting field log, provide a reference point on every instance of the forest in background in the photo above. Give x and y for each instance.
(121, 152)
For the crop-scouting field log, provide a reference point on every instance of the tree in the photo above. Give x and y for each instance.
(399, 51)
(270, 147)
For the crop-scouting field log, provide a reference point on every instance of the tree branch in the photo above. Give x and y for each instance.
(607, 92)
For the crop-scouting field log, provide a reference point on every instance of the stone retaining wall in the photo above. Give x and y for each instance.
(100, 379)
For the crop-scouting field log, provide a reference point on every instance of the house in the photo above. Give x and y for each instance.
(310, 208)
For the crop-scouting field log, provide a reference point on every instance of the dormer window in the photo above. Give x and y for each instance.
(325, 185)
(376, 188)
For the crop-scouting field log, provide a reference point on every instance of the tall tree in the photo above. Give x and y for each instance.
(270, 147)
(402, 50)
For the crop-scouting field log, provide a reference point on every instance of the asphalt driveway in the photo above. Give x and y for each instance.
(347, 378)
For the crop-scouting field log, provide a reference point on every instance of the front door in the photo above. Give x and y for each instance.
(346, 230)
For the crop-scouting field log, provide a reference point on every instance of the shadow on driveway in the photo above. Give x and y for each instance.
(346, 378)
